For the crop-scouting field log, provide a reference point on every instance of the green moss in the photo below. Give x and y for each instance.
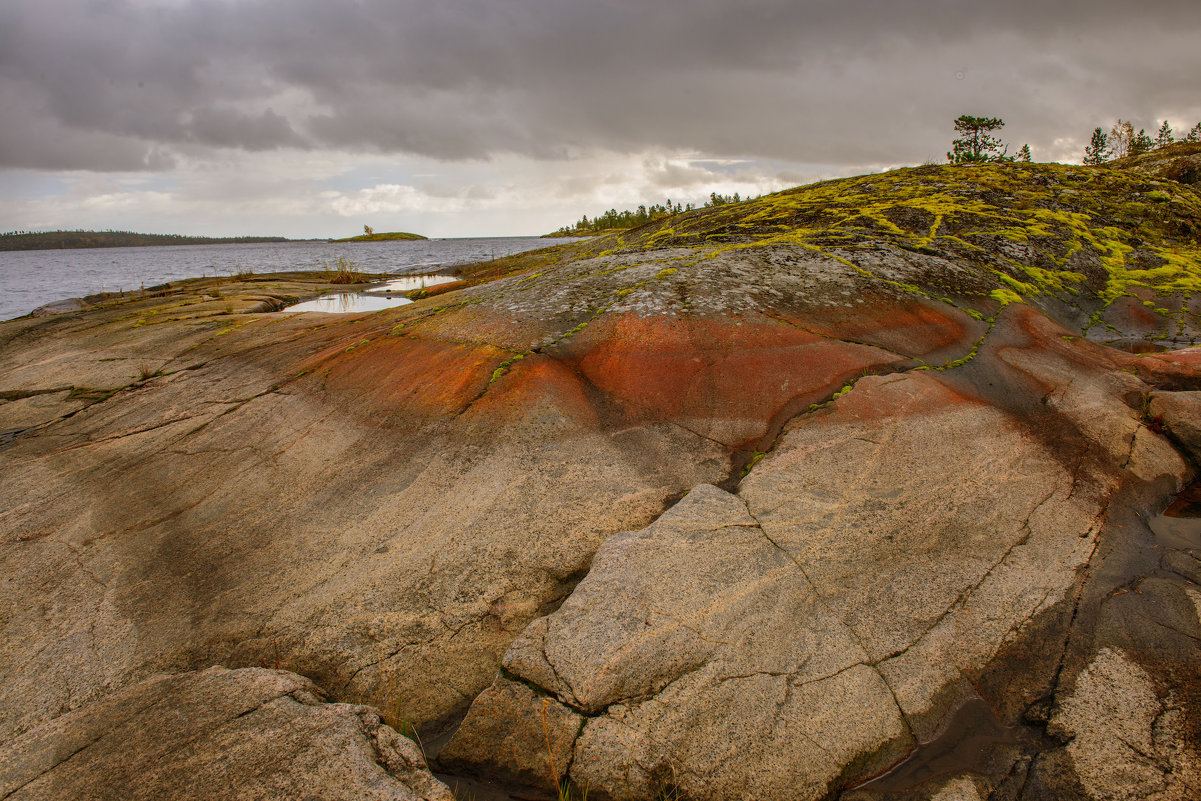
(1005, 296)
(756, 457)
(503, 368)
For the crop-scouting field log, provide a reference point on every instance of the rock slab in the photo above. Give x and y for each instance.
(217, 734)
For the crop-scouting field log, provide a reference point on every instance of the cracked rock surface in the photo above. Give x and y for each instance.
(824, 620)
(217, 734)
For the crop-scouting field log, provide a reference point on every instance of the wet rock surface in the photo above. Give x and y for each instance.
(752, 502)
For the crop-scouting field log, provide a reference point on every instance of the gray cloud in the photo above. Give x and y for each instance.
(120, 84)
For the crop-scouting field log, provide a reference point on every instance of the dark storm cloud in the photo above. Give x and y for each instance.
(117, 84)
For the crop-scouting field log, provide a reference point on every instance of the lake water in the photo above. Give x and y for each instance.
(32, 278)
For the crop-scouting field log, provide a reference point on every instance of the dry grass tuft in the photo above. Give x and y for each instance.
(343, 271)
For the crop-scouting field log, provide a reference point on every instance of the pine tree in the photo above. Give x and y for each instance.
(976, 143)
(1024, 154)
(1194, 135)
(1141, 143)
(1098, 149)
(1164, 137)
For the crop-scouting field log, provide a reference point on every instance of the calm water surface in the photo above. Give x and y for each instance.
(32, 278)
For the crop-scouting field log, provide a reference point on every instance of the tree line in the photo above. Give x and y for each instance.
(977, 143)
(614, 219)
(54, 240)
(1122, 141)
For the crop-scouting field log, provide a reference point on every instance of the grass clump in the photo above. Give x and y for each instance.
(343, 271)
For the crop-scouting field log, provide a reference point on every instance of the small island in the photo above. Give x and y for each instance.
(369, 235)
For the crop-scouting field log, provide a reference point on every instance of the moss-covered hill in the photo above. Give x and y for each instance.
(1115, 251)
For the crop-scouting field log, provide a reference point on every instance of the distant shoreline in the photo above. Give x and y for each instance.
(72, 240)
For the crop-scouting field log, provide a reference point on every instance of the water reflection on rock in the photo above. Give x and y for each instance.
(410, 282)
(348, 303)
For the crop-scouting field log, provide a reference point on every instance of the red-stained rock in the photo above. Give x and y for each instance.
(726, 379)
(916, 327)
(398, 375)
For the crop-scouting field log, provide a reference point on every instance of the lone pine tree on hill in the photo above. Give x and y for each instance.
(1097, 150)
(976, 142)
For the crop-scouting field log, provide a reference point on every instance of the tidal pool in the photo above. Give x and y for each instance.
(347, 303)
(410, 282)
(373, 298)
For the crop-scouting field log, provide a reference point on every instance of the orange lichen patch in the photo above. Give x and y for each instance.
(538, 390)
(916, 327)
(912, 395)
(1173, 366)
(723, 378)
(394, 375)
(480, 324)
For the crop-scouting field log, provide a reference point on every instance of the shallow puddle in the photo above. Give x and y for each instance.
(381, 296)
(410, 282)
(347, 303)
(1179, 526)
(1136, 346)
(966, 743)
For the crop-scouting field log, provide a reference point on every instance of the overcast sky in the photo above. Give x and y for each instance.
(311, 118)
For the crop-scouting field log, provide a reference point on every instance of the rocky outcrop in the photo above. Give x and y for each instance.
(759, 501)
(217, 734)
(860, 586)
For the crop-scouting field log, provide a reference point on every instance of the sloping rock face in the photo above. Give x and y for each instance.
(217, 734)
(766, 501)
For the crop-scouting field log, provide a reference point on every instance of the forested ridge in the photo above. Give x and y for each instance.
(51, 240)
